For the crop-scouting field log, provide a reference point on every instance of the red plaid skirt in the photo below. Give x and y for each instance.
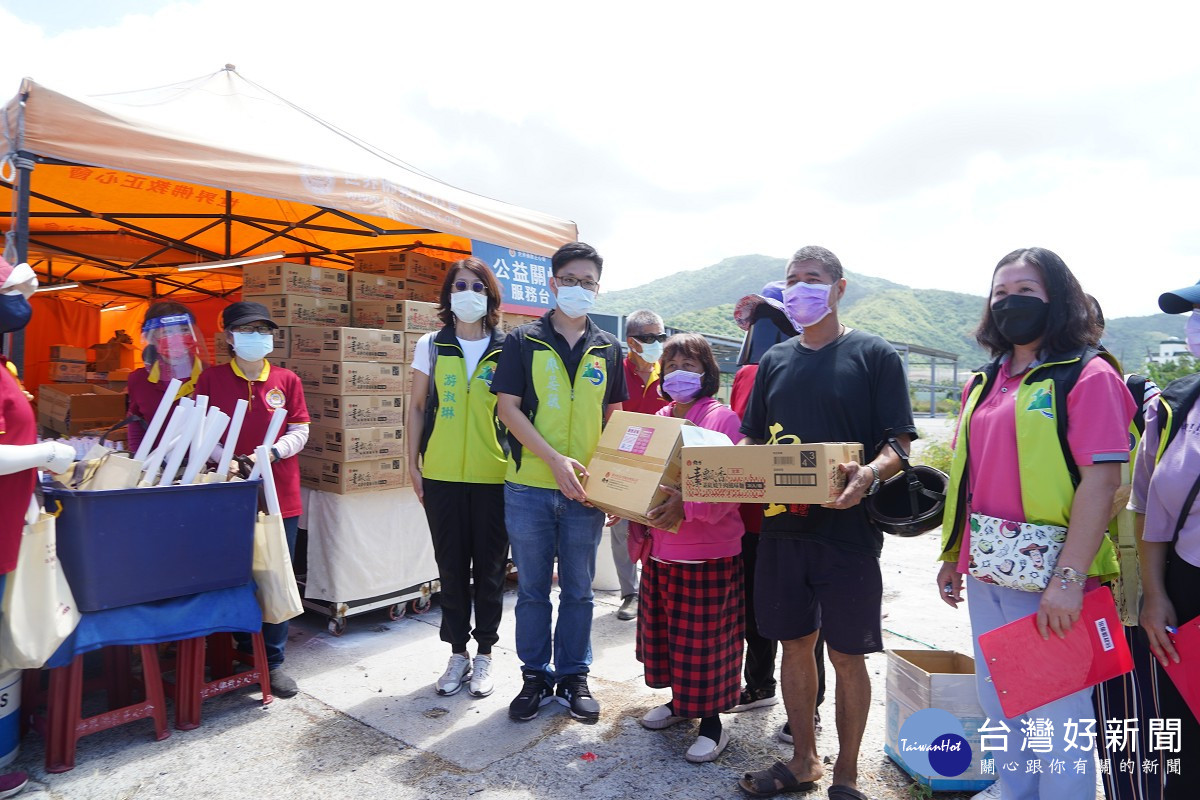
(690, 633)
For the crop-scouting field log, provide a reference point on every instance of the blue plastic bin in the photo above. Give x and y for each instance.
(121, 547)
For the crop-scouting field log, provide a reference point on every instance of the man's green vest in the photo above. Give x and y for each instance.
(464, 440)
(568, 414)
(1047, 477)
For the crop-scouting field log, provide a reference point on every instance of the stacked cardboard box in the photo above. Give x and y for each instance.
(68, 364)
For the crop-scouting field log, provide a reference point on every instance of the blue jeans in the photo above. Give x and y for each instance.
(543, 524)
(990, 607)
(275, 633)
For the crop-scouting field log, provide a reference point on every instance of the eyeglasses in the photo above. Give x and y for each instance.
(252, 329)
(462, 286)
(567, 280)
(649, 338)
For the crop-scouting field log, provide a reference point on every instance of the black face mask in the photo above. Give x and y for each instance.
(15, 312)
(1021, 320)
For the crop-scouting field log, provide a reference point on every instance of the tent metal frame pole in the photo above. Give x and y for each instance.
(24, 165)
(114, 267)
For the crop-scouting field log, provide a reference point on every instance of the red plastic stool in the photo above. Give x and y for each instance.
(64, 725)
(191, 690)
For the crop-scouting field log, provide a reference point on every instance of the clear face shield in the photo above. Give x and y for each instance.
(173, 346)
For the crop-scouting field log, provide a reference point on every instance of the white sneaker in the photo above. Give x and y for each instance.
(705, 749)
(457, 672)
(481, 676)
(659, 717)
(990, 793)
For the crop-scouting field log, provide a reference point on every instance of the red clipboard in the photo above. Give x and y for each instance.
(1029, 671)
(1186, 674)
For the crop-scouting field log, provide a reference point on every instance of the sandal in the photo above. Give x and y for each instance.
(840, 791)
(763, 783)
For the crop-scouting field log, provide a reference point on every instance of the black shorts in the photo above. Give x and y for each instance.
(805, 585)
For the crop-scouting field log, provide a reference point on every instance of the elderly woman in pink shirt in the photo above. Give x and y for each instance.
(690, 622)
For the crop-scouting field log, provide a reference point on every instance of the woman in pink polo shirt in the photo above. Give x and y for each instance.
(1011, 468)
(690, 623)
(249, 376)
(173, 349)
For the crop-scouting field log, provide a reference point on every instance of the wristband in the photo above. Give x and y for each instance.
(1069, 575)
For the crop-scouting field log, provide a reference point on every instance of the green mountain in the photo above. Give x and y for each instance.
(702, 300)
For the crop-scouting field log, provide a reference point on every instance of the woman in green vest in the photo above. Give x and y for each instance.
(1030, 498)
(456, 446)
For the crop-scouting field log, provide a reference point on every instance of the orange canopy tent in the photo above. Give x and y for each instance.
(112, 195)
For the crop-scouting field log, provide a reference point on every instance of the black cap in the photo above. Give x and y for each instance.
(1179, 301)
(245, 312)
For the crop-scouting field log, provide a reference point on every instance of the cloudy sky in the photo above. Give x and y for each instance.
(920, 142)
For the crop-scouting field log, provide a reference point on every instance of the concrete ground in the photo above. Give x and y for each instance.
(367, 723)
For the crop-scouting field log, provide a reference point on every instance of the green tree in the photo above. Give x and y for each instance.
(1164, 372)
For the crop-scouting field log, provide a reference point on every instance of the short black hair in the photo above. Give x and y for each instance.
(1098, 311)
(1071, 324)
(491, 319)
(696, 346)
(823, 256)
(573, 251)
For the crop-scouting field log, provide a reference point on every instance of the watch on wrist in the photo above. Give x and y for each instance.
(1070, 575)
(275, 454)
(874, 487)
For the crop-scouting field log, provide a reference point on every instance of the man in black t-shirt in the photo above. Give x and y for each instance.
(818, 566)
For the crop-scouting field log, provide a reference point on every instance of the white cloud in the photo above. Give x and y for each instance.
(921, 143)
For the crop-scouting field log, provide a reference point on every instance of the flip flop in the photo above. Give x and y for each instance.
(840, 791)
(762, 782)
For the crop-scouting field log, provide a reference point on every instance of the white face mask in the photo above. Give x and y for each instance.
(469, 306)
(1192, 334)
(575, 301)
(651, 352)
(253, 346)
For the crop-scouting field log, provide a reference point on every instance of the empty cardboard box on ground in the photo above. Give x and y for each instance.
(635, 454)
(942, 679)
(356, 411)
(294, 279)
(352, 477)
(354, 444)
(348, 344)
(71, 408)
(769, 473)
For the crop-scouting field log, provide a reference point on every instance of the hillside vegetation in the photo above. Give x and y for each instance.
(702, 300)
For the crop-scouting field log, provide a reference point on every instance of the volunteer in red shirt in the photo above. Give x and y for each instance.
(644, 337)
(21, 456)
(249, 376)
(172, 349)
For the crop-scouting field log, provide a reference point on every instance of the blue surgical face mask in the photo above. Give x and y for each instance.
(651, 352)
(575, 301)
(253, 346)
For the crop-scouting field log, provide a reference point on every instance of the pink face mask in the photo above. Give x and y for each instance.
(807, 303)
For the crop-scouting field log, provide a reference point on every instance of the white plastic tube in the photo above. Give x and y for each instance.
(194, 420)
(198, 434)
(154, 460)
(156, 422)
(262, 455)
(273, 430)
(214, 426)
(231, 438)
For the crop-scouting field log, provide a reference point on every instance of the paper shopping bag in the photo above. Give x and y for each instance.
(272, 568)
(39, 611)
(1029, 671)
